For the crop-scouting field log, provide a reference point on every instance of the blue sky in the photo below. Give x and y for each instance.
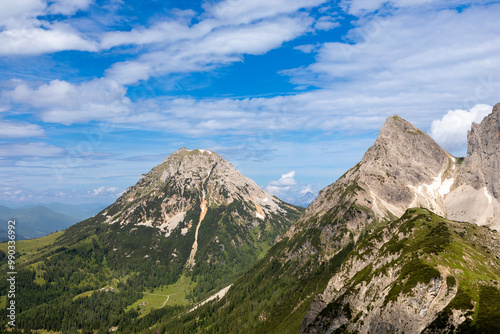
(292, 92)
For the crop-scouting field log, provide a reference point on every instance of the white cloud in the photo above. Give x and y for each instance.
(25, 33)
(244, 12)
(19, 130)
(65, 103)
(307, 111)
(361, 7)
(15, 13)
(29, 149)
(282, 186)
(68, 7)
(168, 31)
(35, 40)
(226, 31)
(28, 31)
(326, 23)
(10, 194)
(204, 51)
(286, 180)
(288, 189)
(451, 130)
(414, 63)
(104, 191)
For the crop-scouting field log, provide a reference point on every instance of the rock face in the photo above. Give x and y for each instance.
(368, 256)
(476, 194)
(399, 280)
(482, 166)
(181, 183)
(403, 159)
(404, 168)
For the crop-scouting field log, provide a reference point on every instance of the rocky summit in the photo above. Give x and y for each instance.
(413, 274)
(476, 193)
(192, 180)
(204, 206)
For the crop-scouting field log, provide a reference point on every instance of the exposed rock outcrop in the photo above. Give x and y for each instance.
(195, 208)
(178, 184)
(400, 279)
(476, 194)
(482, 165)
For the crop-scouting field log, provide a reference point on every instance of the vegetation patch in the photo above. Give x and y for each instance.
(412, 273)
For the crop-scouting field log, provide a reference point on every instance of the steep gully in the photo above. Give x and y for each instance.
(191, 262)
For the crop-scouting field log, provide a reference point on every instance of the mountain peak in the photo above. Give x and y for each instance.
(395, 126)
(400, 143)
(496, 108)
(184, 150)
(483, 153)
(185, 178)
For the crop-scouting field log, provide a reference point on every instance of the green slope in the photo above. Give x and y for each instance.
(88, 256)
(275, 295)
(421, 249)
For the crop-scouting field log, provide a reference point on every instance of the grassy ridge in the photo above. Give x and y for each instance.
(424, 246)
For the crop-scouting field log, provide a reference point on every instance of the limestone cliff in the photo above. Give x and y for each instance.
(476, 193)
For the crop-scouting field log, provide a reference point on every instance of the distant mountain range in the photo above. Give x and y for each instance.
(78, 211)
(304, 200)
(38, 221)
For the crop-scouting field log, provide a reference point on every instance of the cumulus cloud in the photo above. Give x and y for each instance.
(326, 23)
(451, 130)
(361, 7)
(288, 189)
(68, 7)
(36, 40)
(407, 63)
(227, 30)
(66, 103)
(413, 63)
(15, 13)
(23, 32)
(282, 187)
(10, 194)
(243, 11)
(287, 179)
